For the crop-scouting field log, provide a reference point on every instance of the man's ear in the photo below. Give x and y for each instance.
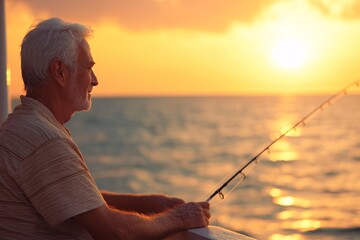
(59, 71)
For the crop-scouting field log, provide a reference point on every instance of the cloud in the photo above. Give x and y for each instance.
(347, 9)
(137, 15)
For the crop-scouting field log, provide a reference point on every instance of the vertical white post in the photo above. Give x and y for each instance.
(3, 81)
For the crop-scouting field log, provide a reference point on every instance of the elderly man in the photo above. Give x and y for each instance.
(46, 189)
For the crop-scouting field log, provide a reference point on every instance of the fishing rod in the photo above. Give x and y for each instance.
(251, 163)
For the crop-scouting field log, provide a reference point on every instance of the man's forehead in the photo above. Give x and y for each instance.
(84, 43)
(85, 49)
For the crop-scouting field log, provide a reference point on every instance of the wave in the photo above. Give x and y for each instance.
(335, 231)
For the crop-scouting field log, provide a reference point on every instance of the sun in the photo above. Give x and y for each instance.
(289, 54)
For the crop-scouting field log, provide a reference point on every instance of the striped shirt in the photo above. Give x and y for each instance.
(44, 181)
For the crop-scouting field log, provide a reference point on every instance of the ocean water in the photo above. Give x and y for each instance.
(305, 187)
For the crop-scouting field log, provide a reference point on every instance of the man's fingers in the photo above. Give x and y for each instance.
(205, 208)
(207, 213)
(204, 204)
(177, 201)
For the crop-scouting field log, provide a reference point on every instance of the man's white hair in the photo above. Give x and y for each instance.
(45, 41)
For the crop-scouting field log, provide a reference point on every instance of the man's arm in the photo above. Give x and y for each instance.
(141, 203)
(107, 223)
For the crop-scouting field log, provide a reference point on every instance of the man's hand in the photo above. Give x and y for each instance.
(161, 203)
(141, 203)
(192, 215)
(111, 224)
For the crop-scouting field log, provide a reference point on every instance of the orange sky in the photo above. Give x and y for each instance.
(205, 47)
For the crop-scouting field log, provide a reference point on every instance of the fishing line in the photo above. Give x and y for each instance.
(244, 170)
(227, 176)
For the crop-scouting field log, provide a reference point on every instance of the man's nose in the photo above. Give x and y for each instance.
(94, 80)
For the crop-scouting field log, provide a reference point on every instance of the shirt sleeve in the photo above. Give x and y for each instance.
(57, 182)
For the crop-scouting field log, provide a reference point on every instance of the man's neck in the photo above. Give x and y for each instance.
(52, 100)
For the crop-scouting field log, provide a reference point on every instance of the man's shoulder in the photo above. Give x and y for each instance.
(31, 125)
(28, 131)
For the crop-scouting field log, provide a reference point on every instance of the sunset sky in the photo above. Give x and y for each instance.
(205, 47)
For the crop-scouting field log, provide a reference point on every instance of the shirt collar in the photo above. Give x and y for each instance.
(43, 111)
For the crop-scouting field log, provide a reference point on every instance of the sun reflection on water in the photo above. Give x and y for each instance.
(284, 125)
(305, 225)
(284, 201)
(281, 199)
(283, 151)
(286, 237)
(293, 214)
(287, 201)
(293, 218)
(284, 156)
(275, 192)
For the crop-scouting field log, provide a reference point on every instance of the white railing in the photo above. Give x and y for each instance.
(4, 107)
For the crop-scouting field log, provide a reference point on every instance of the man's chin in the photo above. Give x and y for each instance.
(85, 107)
